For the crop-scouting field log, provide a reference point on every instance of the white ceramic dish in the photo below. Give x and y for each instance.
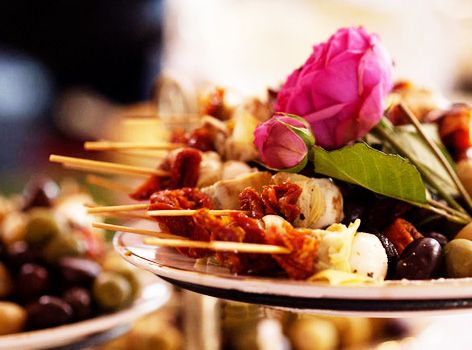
(153, 297)
(389, 299)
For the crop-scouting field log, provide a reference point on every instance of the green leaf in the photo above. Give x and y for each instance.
(410, 140)
(386, 174)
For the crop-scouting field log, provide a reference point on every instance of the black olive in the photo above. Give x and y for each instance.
(32, 281)
(81, 302)
(20, 253)
(438, 237)
(47, 312)
(420, 260)
(78, 271)
(392, 254)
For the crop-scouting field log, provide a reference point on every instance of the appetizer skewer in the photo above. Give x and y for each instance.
(204, 191)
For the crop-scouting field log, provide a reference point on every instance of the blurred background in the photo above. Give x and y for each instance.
(68, 68)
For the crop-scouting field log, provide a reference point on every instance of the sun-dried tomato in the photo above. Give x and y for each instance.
(184, 198)
(455, 130)
(299, 264)
(251, 201)
(238, 228)
(282, 199)
(401, 233)
(179, 135)
(148, 187)
(185, 169)
(201, 139)
(214, 104)
(274, 199)
(184, 166)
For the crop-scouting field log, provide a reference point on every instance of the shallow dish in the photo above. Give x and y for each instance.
(388, 299)
(104, 327)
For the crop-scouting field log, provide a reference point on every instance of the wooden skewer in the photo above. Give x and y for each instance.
(139, 231)
(219, 246)
(150, 154)
(190, 212)
(99, 170)
(110, 145)
(126, 215)
(178, 118)
(117, 208)
(119, 214)
(108, 184)
(108, 167)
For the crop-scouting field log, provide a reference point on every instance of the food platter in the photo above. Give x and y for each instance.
(93, 331)
(389, 299)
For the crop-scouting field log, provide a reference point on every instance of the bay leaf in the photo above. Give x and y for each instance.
(386, 174)
(412, 141)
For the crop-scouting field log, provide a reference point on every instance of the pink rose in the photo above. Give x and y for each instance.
(283, 142)
(340, 90)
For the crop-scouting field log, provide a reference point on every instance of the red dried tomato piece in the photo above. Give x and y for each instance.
(282, 199)
(274, 199)
(251, 201)
(201, 139)
(401, 233)
(299, 264)
(184, 198)
(455, 130)
(184, 166)
(213, 104)
(238, 228)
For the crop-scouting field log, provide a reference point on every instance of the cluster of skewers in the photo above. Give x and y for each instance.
(210, 207)
(213, 201)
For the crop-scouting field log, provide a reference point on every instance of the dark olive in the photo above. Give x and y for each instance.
(32, 281)
(20, 253)
(420, 260)
(40, 192)
(47, 312)
(438, 237)
(78, 271)
(80, 301)
(392, 254)
(395, 328)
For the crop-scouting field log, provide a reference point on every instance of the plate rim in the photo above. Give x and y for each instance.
(440, 289)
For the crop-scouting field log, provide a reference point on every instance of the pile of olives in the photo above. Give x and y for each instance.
(431, 256)
(51, 272)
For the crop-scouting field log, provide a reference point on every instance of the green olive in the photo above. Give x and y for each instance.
(41, 227)
(115, 263)
(5, 281)
(62, 246)
(111, 291)
(458, 254)
(12, 318)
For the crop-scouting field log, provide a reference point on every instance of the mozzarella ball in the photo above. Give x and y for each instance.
(368, 256)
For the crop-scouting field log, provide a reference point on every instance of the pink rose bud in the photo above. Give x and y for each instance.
(284, 142)
(341, 88)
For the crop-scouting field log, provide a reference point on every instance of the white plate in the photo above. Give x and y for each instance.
(389, 299)
(152, 298)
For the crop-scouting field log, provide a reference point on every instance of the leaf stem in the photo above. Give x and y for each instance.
(381, 129)
(450, 217)
(448, 209)
(439, 155)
